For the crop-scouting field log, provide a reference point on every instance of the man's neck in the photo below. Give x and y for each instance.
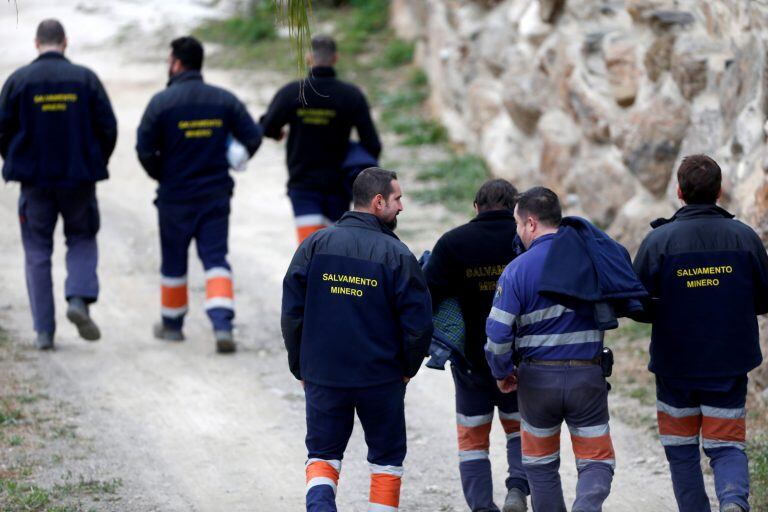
(49, 49)
(544, 232)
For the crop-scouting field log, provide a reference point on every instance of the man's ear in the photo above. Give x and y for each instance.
(680, 193)
(719, 193)
(308, 59)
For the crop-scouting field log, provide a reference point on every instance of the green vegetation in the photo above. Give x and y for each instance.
(757, 449)
(254, 25)
(25, 497)
(634, 330)
(453, 181)
(397, 53)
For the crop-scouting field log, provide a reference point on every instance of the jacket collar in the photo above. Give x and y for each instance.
(322, 72)
(52, 54)
(694, 211)
(185, 76)
(494, 215)
(542, 239)
(366, 221)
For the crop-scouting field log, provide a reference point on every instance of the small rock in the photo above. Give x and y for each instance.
(550, 10)
(658, 57)
(662, 21)
(621, 63)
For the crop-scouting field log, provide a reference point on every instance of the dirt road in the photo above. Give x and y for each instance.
(184, 428)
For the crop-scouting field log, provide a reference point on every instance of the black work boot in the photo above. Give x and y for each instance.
(162, 332)
(225, 342)
(77, 313)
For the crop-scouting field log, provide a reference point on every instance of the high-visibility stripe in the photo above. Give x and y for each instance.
(530, 460)
(468, 455)
(385, 490)
(473, 421)
(710, 444)
(474, 438)
(378, 507)
(581, 463)
(219, 302)
(173, 312)
(720, 412)
(173, 297)
(724, 429)
(386, 470)
(593, 448)
(540, 442)
(592, 431)
(557, 340)
(501, 316)
(684, 426)
(173, 281)
(312, 219)
(322, 472)
(219, 287)
(510, 422)
(677, 412)
(498, 348)
(303, 232)
(543, 314)
(678, 440)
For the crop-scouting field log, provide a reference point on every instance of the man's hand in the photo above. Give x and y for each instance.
(281, 136)
(508, 384)
(406, 380)
(302, 384)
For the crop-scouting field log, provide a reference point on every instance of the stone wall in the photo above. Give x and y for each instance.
(600, 100)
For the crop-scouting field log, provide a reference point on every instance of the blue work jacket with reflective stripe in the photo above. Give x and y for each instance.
(525, 324)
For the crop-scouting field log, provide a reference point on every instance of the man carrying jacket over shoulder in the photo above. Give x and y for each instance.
(357, 323)
(57, 132)
(182, 143)
(707, 275)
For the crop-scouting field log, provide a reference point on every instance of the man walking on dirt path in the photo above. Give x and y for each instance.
(356, 320)
(558, 350)
(320, 112)
(182, 143)
(707, 275)
(57, 132)
(465, 264)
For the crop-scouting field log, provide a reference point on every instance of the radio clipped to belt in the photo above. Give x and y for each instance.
(606, 363)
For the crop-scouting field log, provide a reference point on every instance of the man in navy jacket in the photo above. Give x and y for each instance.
(707, 275)
(321, 112)
(182, 143)
(357, 322)
(57, 132)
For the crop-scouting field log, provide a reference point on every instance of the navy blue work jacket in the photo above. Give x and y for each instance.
(586, 265)
(57, 128)
(356, 310)
(707, 275)
(182, 139)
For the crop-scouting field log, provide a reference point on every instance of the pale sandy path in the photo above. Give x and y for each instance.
(184, 428)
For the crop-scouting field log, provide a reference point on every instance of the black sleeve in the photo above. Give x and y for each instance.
(9, 116)
(647, 266)
(148, 139)
(414, 309)
(439, 273)
(103, 117)
(760, 276)
(279, 112)
(369, 139)
(244, 129)
(292, 311)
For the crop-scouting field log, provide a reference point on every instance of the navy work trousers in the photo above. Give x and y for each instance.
(207, 222)
(719, 417)
(547, 396)
(39, 210)
(477, 396)
(330, 419)
(314, 210)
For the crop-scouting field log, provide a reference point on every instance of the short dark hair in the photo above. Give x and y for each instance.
(323, 50)
(50, 32)
(370, 182)
(189, 51)
(700, 179)
(541, 203)
(496, 194)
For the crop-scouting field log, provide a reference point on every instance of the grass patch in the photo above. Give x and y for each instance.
(634, 330)
(254, 25)
(397, 53)
(453, 182)
(757, 450)
(21, 497)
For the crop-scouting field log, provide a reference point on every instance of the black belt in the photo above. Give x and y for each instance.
(565, 362)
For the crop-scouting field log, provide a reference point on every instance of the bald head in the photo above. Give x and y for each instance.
(50, 36)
